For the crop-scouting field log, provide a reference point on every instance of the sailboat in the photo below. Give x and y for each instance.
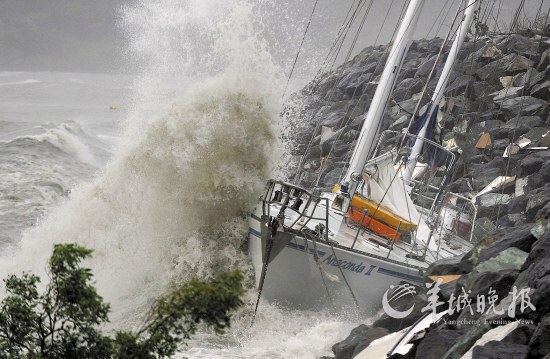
(344, 249)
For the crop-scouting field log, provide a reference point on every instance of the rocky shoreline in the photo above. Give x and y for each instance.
(496, 119)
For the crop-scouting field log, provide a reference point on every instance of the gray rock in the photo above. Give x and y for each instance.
(436, 343)
(511, 220)
(536, 77)
(520, 44)
(425, 68)
(493, 200)
(545, 170)
(334, 119)
(466, 341)
(451, 265)
(526, 78)
(539, 344)
(498, 350)
(507, 93)
(544, 60)
(483, 228)
(461, 85)
(518, 64)
(493, 71)
(414, 85)
(536, 277)
(541, 90)
(358, 336)
(511, 258)
(536, 200)
(524, 105)
(531, 121)
(521, 238)
(521, 335)
(517, 204)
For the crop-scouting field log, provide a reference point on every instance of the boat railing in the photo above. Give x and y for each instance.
(281, 196)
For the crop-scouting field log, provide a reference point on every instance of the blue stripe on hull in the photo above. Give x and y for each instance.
(380, 270)
(393, 273)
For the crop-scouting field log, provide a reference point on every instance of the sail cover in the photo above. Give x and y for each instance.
(432, 155)
(386, 187)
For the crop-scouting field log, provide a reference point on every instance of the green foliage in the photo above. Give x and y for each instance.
(65, 320)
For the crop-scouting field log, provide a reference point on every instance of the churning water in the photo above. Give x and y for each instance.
(164, 199)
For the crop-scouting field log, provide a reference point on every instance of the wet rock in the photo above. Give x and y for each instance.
(489, 52)
(521, 335)
(466, 341)
(352, 84)
(413, 85)
(520, 44)
(406, 73)
(492, 203)
(521, 238)
(461, 185)
(530, 121)
(536, 277)
(518, 64)
(507, 93)
(511, 258)
(539, 344)
(545, 170)
(541, 90)
(451, 265)
(525, 79)
(536, 200)
(404, 303)
(486, 125)
(334, 119)
(530, 164)
(536, 77)
(524, 105)
(482, 177)
(425, 68)
(544, 60)
(461, 85)
(400, 123)
(493, 71)
(436, 343)
(497, 350)
(511, 220)
(484, 227)
(361, 336)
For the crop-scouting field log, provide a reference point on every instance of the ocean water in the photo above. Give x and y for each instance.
(159, 186)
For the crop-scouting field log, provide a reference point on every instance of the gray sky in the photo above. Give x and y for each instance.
(82, 35)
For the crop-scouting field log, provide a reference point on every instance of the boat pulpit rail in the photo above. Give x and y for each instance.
(303, 207)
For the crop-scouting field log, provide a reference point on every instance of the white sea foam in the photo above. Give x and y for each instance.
(22, 82)
(171, 205)
(201, 138)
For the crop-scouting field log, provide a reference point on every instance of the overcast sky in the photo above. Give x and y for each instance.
(82, 35)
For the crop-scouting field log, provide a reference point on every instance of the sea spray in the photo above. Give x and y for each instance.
(172, 203)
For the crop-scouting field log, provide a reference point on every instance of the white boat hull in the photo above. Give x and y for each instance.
(295, 280)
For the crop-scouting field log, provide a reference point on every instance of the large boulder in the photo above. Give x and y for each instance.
(539, 345)
(524, 105)
(521, 238)
(359, 338)
(498, 350)
(436, 343)
(536, 200)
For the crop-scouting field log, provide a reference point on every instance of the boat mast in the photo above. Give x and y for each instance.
(469, 13)
(383, 90)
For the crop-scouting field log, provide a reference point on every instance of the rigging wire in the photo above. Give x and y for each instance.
(300, 47)
(432, 71)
